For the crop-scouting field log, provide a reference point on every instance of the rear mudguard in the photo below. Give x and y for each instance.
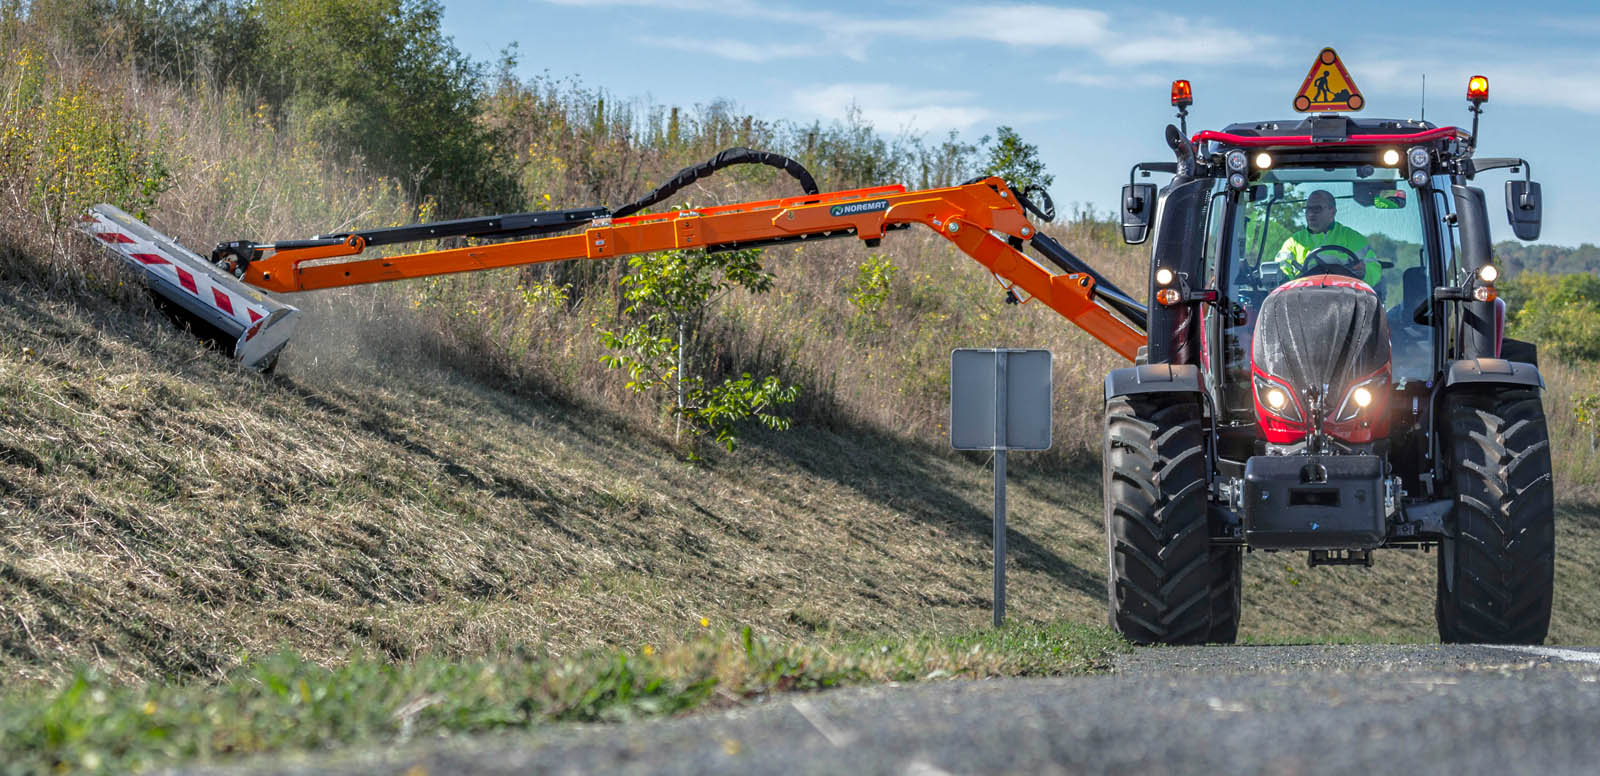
(259, 324)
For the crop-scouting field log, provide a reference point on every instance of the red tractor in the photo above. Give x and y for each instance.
(1326, 371)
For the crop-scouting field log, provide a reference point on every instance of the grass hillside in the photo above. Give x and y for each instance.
(166, 513)
(443, 473)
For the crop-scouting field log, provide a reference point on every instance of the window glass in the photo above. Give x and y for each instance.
(1365, 222)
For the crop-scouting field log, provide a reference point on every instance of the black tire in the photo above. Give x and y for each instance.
(1227, 590)
(1497, 576)
(1166, 584)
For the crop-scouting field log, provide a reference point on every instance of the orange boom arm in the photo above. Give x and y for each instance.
(983, 219)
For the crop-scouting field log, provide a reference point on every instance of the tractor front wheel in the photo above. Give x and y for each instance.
(1497, 574)
(1166, 583)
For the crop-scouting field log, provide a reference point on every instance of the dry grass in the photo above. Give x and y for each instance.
(165, 513)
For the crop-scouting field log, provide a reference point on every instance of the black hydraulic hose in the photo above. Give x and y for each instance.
(237, 255)
(1105, 290)
(727, 158)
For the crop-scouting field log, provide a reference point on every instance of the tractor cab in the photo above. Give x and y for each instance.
(1321, 262)
(1325, 357)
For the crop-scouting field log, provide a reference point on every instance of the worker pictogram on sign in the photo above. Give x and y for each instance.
(1328, 87)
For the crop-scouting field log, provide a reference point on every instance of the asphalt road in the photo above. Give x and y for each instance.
(1212, 710)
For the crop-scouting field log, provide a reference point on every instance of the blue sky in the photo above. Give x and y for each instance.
(1088, 84)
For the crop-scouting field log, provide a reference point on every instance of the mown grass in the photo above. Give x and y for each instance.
(91, 724)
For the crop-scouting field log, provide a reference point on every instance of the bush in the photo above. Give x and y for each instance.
(372, 80)
(1561, 313)
(65, 146)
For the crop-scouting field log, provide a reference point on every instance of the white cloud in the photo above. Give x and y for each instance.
(1173, 39)
(1148, 39)
(1015, 25)
(692, 5)
(891, 108)
(736, 50)
(1543, 86)
(742, 9)
(1555, 81)
(1109, 79)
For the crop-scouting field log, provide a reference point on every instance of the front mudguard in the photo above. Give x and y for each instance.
(1492, 371)
(1153, 378)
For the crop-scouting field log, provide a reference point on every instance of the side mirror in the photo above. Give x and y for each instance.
(1138, 208)
(1523, 208)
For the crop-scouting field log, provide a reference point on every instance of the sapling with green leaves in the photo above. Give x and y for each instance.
(669, 295)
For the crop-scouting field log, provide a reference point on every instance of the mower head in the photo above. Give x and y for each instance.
(250, 325)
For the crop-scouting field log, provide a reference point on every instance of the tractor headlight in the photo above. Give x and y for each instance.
(1488, 273)
(1163, 277)
(1418, 157)
(1236, 161)
(1419, 178)
(1361, 397)
(1263, 161)
(1391, 157)
(1276, 399)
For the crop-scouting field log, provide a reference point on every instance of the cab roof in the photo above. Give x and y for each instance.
(1334, 129)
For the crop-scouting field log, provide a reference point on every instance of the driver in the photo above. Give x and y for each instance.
(1321, 230)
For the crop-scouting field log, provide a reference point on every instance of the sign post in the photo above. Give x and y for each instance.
(1000, 401)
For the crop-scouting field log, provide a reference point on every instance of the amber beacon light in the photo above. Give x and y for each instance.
(1182, 96)
(1477, 90)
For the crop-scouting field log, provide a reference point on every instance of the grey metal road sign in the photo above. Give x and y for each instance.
(1000, 400)
(1020, 379)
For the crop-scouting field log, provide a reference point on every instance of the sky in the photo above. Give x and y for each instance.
(1087, 84)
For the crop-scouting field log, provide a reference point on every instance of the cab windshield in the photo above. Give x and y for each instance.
(1364, 223)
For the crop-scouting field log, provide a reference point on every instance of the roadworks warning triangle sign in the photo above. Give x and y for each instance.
(1328, 87)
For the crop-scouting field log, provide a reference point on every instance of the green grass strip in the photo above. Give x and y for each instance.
(286, 703)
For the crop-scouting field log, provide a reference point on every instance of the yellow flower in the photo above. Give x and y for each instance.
(648, 650)
(149, 708)
(705, 623)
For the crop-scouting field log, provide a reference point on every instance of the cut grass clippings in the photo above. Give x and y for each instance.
(91, 724)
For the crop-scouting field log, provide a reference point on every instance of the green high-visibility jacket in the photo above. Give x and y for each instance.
(1292, 256)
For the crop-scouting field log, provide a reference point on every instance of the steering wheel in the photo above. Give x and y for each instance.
(1320, 262)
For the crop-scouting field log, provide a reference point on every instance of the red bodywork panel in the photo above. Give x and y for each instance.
(1371, 423)
(1249, 141)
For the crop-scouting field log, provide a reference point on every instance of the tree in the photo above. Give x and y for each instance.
(946, 164)
(381, 78)
(1015, 161)
(670, 293)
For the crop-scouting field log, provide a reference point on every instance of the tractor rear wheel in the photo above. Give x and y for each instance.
(1496, 576)
(1166, 583)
